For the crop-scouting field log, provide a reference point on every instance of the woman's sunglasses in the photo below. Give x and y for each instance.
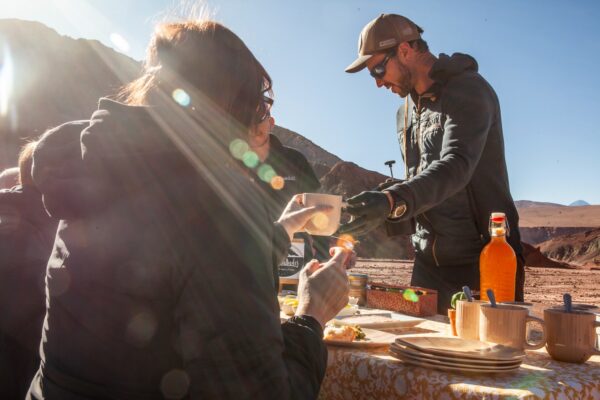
(265, 109)
(378, 71)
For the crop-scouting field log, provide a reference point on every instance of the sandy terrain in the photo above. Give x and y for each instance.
(559, 216)
(542, 285)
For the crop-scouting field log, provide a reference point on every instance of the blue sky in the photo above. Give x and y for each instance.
(541, 56)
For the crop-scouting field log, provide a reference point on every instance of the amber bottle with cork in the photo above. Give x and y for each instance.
(498, 262)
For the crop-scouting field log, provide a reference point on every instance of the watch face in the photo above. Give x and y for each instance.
(399, 211)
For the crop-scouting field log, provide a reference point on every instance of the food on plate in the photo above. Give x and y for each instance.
(289, 305)
(347, 333)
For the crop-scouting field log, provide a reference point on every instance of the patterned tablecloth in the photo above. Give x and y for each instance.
(373, 374)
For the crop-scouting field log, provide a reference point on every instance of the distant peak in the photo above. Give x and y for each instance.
(579, 203)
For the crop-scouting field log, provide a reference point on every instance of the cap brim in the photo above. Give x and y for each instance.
(358, 64)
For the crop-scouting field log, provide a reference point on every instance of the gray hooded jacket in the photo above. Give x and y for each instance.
(456, 171)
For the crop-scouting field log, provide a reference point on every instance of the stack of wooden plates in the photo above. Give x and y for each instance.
(456, 354)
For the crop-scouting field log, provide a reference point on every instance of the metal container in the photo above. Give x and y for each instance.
(358, 287)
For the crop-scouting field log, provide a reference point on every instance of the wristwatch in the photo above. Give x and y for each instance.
(398, 208)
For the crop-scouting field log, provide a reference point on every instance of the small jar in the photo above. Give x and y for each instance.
(358, 287)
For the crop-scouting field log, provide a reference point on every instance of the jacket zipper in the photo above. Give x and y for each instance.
(419, 135)
(437, 264)
(421, 151)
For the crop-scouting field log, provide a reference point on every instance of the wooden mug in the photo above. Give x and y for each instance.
(467, 319)
(571, 336)
(506, 324)
(323, 223)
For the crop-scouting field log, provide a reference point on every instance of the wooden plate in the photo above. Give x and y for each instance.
(463, 348)
(379, 321)
(456, 368)
(374, 338)
(471, 361)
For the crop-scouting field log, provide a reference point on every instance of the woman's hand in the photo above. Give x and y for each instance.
(295, 216)
(323, 288)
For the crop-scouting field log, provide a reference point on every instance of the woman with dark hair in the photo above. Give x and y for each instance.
(160, 282)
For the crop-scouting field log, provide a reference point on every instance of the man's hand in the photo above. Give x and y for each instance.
(323, 288)
(370, 210)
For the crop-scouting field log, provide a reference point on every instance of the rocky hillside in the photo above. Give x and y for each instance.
(582, 248)
(321, 160)
(563, 233)
(535, 258)
(528, 204)
(539, 234)
(55, 79)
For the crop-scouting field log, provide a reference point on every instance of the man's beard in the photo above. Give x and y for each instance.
(404, 84)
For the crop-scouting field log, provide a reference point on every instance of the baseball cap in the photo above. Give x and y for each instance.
(384, 32)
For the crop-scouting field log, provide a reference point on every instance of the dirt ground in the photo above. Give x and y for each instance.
(543, 286)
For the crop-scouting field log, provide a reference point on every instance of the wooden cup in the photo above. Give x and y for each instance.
(323, 223)
(506, 324)
(571, 336)
(467, 319)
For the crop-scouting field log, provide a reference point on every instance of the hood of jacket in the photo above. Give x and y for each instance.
(80, 166)
(447, 67)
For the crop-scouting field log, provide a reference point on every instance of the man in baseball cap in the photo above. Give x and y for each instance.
(383, 33)
(450, 132)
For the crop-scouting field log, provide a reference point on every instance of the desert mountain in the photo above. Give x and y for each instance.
(55, 79)
(321, 160)
(579, 203)
(581, 248)
(567, 234)
(528, 204)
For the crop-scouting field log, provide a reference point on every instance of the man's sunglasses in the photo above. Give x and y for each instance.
(378, 71)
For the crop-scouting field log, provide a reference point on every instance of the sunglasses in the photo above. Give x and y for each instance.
(265, 109)
(378, 71)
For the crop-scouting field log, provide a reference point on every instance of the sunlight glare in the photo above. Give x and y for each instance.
(120, 43)
(277, 182)
(181, 97)
(266, 173)
(320, 220)
(238, 148)
(6, 80)
(346, 241)
(410, 295)
(250, 159)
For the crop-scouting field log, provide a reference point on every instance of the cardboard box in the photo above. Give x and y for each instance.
(411, 300)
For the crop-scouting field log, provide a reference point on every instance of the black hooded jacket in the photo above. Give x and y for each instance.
(159, 284)
(456, 170)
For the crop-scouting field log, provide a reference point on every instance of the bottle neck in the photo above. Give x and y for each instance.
(498, 233)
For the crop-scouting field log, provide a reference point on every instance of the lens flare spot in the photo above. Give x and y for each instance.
(277, 182)
(266, 173)
(181, 97)
(6, 80)
(320, 220)
(410, 295)
(141, 329)
(238, 148)
(175, 384)
(346, 241)
(120, 43)
(250, 159)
